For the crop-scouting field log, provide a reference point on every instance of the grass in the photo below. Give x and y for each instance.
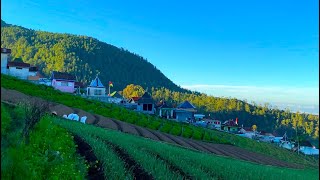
(196, 164)
(152, 122)
(49, 154)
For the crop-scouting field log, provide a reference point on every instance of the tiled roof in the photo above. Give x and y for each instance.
(96, 83)
(186, 105)
(5, 50)
(64, 76)
(18, 64)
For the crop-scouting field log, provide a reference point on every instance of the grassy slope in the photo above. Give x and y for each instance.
(113, 111)
(196, 164)
(50, 153)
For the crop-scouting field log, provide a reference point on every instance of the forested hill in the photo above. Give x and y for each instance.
(82, 56)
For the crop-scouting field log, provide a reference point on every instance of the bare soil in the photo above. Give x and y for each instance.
(95, 170)
(15, 97)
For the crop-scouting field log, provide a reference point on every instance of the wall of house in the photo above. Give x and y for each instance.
(21, 73)
(91, 91)
(32, 73)
(61, 85)
(4, 62)
(183, 116)
(140, 109)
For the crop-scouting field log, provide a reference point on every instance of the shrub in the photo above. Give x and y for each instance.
(166, 128)
(176, 130)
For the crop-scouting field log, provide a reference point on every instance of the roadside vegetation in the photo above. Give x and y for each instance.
(153, 122)
(33, 147)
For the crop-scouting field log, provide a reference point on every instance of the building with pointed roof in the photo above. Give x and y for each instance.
(144, 104)
(185, 112)
(96, 88)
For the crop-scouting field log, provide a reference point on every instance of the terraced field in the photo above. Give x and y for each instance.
(15, 97)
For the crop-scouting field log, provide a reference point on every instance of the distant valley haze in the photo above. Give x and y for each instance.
(261, 51)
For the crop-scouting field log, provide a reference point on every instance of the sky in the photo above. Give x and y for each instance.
(262, 51)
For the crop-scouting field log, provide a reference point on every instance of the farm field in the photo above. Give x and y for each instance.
(114, 117)
(59, 148)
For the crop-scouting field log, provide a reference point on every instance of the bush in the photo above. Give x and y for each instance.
(187, 132)
(176, 130)
(166, 128)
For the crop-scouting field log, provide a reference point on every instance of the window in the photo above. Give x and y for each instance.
(18, 68)
(64, 83)
(70, 84)
(145, 107)
(97, 92)
(149, 107)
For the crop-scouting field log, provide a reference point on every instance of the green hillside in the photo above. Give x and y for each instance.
(83, 56)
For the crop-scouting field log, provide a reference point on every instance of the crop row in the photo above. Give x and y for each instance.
(148, 121)
(157, 158)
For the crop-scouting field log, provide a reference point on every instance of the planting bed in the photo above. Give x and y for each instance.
(219, 149)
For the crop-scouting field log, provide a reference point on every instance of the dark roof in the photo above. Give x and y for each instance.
(18, 64)
(78, 84)
(5, 50)
(61, 75)
(186, 105)
(146, 99)
(305, 143)
(96, 83)
(163, 104)
(230, 123)
(33, 69)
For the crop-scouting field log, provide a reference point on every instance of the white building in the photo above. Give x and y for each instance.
(5, 56)
(18, 69)
(96, 88)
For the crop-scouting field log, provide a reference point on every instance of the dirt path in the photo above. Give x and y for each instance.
(15, 97)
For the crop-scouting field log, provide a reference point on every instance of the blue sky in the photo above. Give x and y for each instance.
(264, 51)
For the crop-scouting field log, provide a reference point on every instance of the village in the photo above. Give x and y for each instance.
(185, 112)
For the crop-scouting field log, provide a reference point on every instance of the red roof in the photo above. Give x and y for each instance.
(135, 98)
(18, 64)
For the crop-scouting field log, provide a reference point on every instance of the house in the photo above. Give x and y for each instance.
(247, 132)
(185, 112)
(33, 74)
(18, 69)
(5, 56)
(213, 124)
(307, 148)
(145, 104)
(165, 111)
(96, 88)
(63, 81)
(230, 126)
(133, 100)
(199, 117)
